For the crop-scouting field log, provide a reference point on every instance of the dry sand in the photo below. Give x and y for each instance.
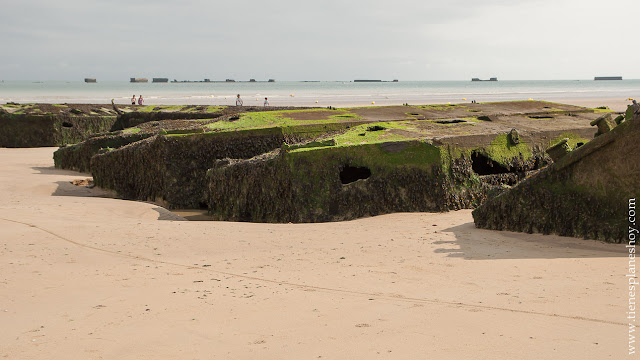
(87, 277)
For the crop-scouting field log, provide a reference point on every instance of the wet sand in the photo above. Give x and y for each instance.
(83, 276)
(615, 104)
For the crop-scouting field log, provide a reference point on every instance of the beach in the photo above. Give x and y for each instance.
(87, 276)
(331, 180)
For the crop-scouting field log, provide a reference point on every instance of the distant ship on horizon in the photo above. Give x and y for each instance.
(220, 82)
(490, 79)
(607, 78)
(367, 80)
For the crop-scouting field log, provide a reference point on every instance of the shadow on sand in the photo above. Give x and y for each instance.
(479, 244)
(164, 214)
(66, 188)
(51, 170)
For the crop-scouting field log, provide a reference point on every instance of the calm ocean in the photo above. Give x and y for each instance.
(308, 93)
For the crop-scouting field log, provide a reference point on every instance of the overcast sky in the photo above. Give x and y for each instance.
(319, 40)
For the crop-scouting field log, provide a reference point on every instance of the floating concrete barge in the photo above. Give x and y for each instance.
(192, 81)
(373, 81)
(607, 78)
(139, 80)
(90, 80)
(160, 80)
(490, 79)
(220, 82)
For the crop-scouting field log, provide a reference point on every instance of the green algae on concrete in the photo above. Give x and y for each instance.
(35, 130)
(334, 183)
(585, 194)
(78, 157)
(133, 130)
(261, 119)
(574, 139)
(250, 121)
(602, 109)
(412, 165)
(170, 169)
(376, 133)
(503, 151)
(377, 155)
(439, 107)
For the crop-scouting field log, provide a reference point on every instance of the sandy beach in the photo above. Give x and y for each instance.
(299, 180)
(83, 276)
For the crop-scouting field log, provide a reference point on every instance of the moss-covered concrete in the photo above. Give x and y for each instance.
(32, 130)
(306, 183)
(34, 125)
(170, 169)
(321, 184)
(585, 194)
(418, 158)
(78, 157)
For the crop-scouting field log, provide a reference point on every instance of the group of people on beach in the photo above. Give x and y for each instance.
(140, 100)
(239, 101)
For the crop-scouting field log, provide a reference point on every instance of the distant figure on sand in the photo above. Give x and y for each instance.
(140, 101)
(133, 100)
(239, 101)
(266, 102)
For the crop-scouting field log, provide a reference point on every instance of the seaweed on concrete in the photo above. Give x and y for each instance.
(585, 194)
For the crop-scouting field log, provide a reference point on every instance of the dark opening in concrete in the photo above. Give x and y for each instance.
(67, 124)
(351, 174)
(540, 117)
(482, 165)
(451, 121)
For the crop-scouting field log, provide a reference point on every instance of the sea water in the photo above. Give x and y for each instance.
(326, 93)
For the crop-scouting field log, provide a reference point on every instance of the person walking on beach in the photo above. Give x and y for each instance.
(133, 100)
(140, 100)
(266, 102)
(239, 101)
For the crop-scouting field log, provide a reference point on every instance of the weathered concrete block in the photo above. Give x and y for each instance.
(585, 194)
(605, 123)
(633, 111)
(514, 137)
(559, 150)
